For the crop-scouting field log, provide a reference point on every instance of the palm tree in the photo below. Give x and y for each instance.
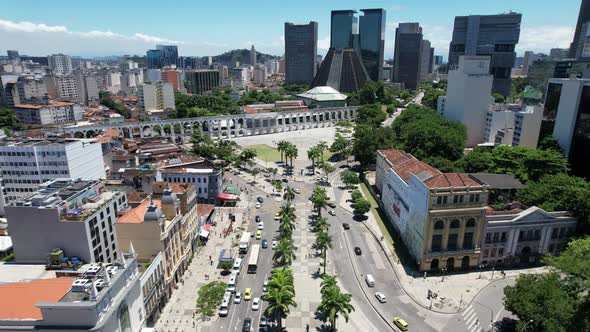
(323, 242)
(319, 198)
(313, 154)
(287, 210)
(279, 302)
(335, 303)
(328, 281)
(286, 227)
(282, 147)
(281, 277)
(255, 172)
(284, 253)
(322, 146)
(289, 194)
(291, 153)
(321, 224)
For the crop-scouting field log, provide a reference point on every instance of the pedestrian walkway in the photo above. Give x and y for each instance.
(469, 317)
(179, 312)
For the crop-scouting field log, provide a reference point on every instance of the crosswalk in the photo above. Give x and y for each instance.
(471, 320)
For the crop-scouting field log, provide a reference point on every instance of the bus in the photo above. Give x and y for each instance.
(253, 261)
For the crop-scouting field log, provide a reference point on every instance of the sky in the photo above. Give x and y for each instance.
(200, 28)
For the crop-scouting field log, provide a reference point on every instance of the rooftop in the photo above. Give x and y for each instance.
(498, 181)
(24, 295)
(406, 165)
(23, 272)
(136, 215)
(12, 143)
(323, 93)
(51, 104)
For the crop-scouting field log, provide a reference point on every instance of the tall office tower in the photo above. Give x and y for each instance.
(431, 64)
(407, 54)
(202, 81)
(168, 54)
(580, 34)
(253, 56)
(469, 96)
(344, 29)
(372, 41)
(173, 77)
(12, 55)
(425, 60)
(301, 48)
(154, 59)
(66, 87)
(492, 35)
(559, 53)
(60, 64)
(155, 96)
(438, 60)
(567, 110)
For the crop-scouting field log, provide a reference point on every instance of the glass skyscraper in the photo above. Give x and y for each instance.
(344, 28)
(372, 41)
(169, 54)
(154, 59)
(301, 49)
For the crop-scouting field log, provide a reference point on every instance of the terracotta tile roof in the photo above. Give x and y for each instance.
(136, 196)
(406, 165)
(112, 132)
(205, 210)
(178, 188)
(19, 298)
(51, 104)
(135, 215)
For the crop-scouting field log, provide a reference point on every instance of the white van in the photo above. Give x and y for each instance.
(237, 265)
(231, 285)
(226, 299)
(370, 280)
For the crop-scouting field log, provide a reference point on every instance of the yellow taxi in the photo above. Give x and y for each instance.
(247, 294)
(400, 323)
(277, 216)
(258, 235)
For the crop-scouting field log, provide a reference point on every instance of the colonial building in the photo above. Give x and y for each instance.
(522, 236)
(439, 216)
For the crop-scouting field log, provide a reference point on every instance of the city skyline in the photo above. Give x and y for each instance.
(126, 30)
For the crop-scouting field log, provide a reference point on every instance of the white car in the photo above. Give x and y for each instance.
(381, 297)
(297, 190)
(264, 289)
(223, 311)
(256, 303)
(274, 244)
(231, 288)
(260, 226)
(238, 297)
(332, 212)
(257, 205)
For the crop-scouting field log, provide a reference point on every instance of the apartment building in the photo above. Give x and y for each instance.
(52, 113)
(207, 179)
(512, 124)
(155, 96)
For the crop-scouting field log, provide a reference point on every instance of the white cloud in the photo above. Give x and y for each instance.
(30, 27)
(154, 39)
(324, 43)
(544, 38)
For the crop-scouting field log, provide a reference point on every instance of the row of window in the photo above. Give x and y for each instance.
(439, 224)
(452, 242)
(44, 172)
(496, 237)
(458, 199)
(493, 252)
(19, 181)
(21, 190)
(184, 180)
(31, 154)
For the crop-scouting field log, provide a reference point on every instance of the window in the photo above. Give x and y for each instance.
(485, 253)
(461, 199)
(468, 240)
(436, 243)
(554, 233)
(439, 200)
(439, 224)
(455, 199)
(500, 252)
(455, 223)
(470, 223)
(452, 243)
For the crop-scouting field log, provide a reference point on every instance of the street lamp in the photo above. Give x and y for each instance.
(525, 325)
(480, 268)
(444, 271)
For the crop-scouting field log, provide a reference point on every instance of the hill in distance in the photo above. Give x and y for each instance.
(230, 58)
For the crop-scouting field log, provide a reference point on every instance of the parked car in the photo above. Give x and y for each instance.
(274, 244)
(256, 303)
(258, 205)
(247, 325)
(297, 190)
(257, 218)
(381, 297)
(260, 226)
(264, 244)
(265, 284)
(259, 199)
(263, 321)
(332, 205)
(357, 251)
(223, 311)
(238, 297)
(258, 235)
(332, 212)
(346, 226)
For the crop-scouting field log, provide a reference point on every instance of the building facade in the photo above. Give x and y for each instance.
(513, 124)
(524, 236)
(301, 48)
(202, 81)
(580, 33)
(51, 114)
(408, 54)
(253, 61)
(372, 41)
(77, 216)
(439, 216)
(155, 96)
(60, 64)
(168, 55)
(495, 36)
(206, 178)
(154, 59)
(26, 164)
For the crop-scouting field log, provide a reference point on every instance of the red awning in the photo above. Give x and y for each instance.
(207, 227)
(227, 197)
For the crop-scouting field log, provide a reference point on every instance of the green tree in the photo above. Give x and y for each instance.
(361, 207)
(255, 172)
(8, 120)
(372, 115)
(367, 140)
(430, 98)
(322, 146)
(321, 224)
(202, 144)
(248, 154)
(289, 194)
(356, 195)
(350, 178)
(282, 147)
(291, 153)
(323, 242)
(277, 185)
(327, 168)
(284, 253)
(341, 147)
(210, 297)
(498, 98)
(327, 282)
(280, 296)
(313, 154)
(549, 143)
(335, 304)
(226, 266)
(319, 199)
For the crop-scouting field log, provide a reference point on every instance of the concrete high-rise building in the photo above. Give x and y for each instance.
(301, 47)
(53, 113)
(567, 110)
(31, 90)
(259, 75)
(173, 77)
(438, 60)
(12, 55)
(202, 80)
(26, 164)
(512, 124)
(76, 216)
(530, 58)
(65, 86)
(154, 59)
(468, 96)
(152, 75)
(60, 64)
(408, 54)
(372, 41)
(495, 36)
(580, 33)
(168, 54)
(155, 96)
(86, 86)
(559, 53)
(425, 60)
(253, 56)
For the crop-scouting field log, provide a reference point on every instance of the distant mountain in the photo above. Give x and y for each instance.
(243, 56)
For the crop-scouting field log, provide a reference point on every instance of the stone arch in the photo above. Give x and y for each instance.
(434, 264)
(157, 130)
(455, 223)
(439, 224)
(79, 134)
(470, 222)
(450, 263)
(465, 262)
(89, 134)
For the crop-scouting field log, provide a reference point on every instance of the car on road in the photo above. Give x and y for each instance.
(297, 190)
(381, 297)
(223, 311)
(285, 180)
(259, 200)
(332, 205)
(357, 251)
(257, 218)
(256, 303)
(277, 216)
(274, 244)
(264, 244)
(247, 294)
(400, 323)
(265, 284)
(258, 205)
(332, 212)
(238, 297)
(260, 226)
(346, 226)
(247, 325)
(263, 321)
(258, 235)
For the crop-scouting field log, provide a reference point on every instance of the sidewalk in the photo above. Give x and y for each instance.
(455, 293)
(178, 312)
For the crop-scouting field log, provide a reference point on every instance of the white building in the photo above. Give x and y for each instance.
(155, 96)
(207, 180)
(93, 298)
(60, 64)
(26, 164)
(469, 95)
(57, 112)
(113, 82)
(76, 216)
(512, 124)
(86, 86)
(152, 75)
(65, 87)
